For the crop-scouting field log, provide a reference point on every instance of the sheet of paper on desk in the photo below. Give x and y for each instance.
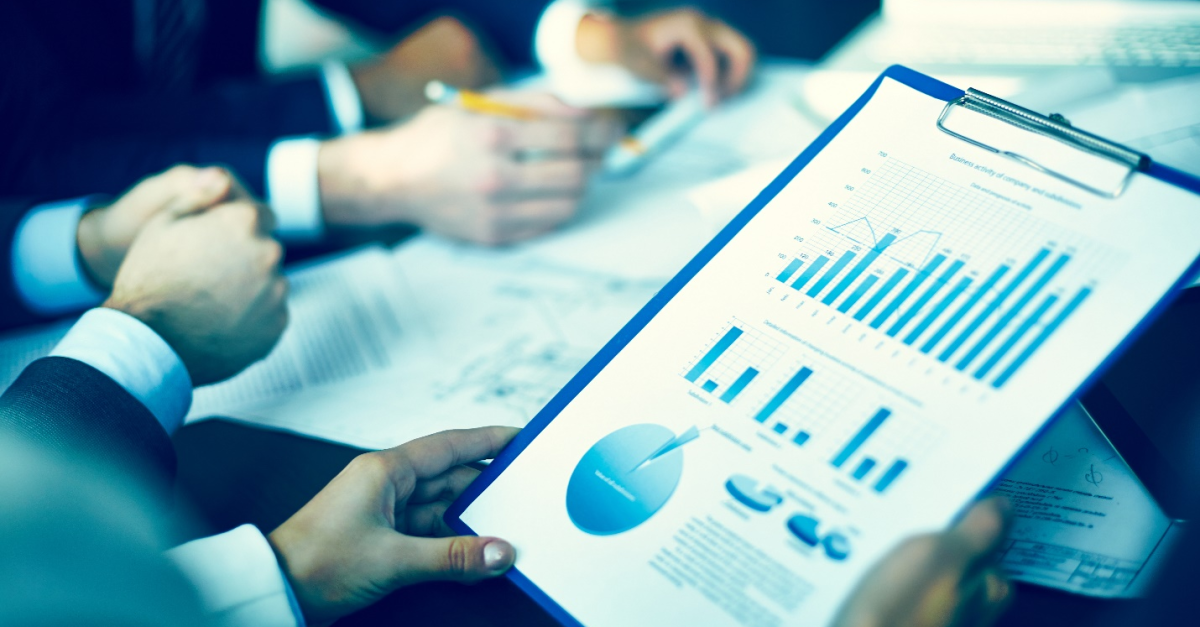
(342, 325)
(1161, 119)
(484, 338)
(1084, 523)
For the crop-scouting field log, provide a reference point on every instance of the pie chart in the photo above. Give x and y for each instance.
(625, 478)
(747, 492)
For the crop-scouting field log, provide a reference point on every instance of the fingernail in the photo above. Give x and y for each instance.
(497, 556)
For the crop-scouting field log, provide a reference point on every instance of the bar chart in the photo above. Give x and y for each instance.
(810, 403)
(896, 260)
(732, 361)
(866, 464)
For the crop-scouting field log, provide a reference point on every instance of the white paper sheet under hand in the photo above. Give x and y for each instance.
(488, 338)
(342, 324)
(720, 200)
(1084, 523)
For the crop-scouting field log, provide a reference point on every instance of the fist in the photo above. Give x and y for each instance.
(207, 280)
(106, 233)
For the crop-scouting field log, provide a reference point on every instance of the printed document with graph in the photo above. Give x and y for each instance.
(853, 366)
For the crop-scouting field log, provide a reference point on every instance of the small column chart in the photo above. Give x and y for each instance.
(733, 360)
(811, 405)
(913, 257)
(816, 409)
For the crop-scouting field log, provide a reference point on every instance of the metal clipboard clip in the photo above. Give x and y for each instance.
(1054, 127)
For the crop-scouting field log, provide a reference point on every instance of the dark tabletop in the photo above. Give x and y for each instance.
(234, 474)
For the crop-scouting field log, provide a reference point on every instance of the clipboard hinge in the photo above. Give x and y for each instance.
(1054, 127)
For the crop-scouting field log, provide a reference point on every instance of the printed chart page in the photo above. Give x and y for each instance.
(855, 365)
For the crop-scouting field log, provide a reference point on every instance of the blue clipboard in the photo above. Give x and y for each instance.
(911, 78)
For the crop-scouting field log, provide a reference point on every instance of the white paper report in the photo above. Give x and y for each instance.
(853, 367)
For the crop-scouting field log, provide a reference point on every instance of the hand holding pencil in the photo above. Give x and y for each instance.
(489, 168)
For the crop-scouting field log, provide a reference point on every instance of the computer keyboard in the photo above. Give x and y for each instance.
(1157, 45)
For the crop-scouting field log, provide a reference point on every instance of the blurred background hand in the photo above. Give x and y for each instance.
(207, 280)
(106, 233)
(378, 526)
(479, 178)
(718, 58)
(938, 580)
(392, 86)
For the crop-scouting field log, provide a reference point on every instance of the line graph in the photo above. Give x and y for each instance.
(922, 240)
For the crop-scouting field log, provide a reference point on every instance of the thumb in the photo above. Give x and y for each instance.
(461, 558)
(207, 187)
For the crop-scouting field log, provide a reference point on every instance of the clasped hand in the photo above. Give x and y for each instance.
(189, 253)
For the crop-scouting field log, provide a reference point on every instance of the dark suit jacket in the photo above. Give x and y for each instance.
(76, 117)
(68, 406)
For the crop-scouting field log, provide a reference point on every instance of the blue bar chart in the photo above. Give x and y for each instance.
(866, 464)
(861, 437)
(884, 292)
(864, 467)
(732, 362)
(783, 395)
(810, 405)
(858, 270)
(914, 284)
(983, 309)
(828, 277)
(889, 477)
(739, 385)
(789, 271)
(810, 272)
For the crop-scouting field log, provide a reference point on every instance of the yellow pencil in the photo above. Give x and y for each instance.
(441, 93)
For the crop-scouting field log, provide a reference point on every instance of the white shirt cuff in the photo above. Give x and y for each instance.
(293, 189)
(136, 358)
(239, 580)
(344, 101)
(47, 271)
(576, 81)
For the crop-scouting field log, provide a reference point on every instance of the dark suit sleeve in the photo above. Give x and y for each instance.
(253, 107)
(66, 405)
(111, 165)
(62, 141)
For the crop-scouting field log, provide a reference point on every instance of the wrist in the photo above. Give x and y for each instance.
(98, 263)
(135, 308)
(351, 193)
(285, 549)
(597, 39)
